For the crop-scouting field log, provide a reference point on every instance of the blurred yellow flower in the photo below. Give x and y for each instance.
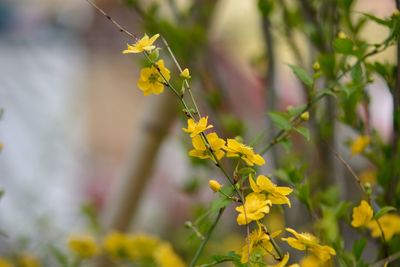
(5, 263)
(362, 214)
(144, 44)
(83, 246)
(255, 207)
(28, 260)
(118, 246)
(390, 223)
(150, 81)
(277, 194)
(185, 74)
(143, 245)
(196, 128)
(359, 144)
(200, 150)
(214, 185)
(368, 176)
(310, 261)
(246, 153)
(166, 257)
(307, 241)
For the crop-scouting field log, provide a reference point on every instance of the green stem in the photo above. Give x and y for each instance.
(207, 237)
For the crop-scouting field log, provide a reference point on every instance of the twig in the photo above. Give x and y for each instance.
(389, 259)
(207, 237)
(121, 29)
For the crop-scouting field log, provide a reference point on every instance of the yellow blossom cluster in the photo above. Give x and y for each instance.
(255, 202)
(126, 247)
(213, 147)
(25, 259)
(309, 242)
(386, 226)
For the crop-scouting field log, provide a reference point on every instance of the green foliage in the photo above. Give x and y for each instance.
(302, 75)
(383, 211)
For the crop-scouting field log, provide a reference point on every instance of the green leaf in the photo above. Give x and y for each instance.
(304, 131)
(343, 46)
(382, 22)
(230, 257)
(302, 75)
(280, 120)
(356, 73)
(294, 111)
(383, 211)
(246, 170)
(61, 258)
(303, 193)
(287, 144)
(222, 201)
(358, 247)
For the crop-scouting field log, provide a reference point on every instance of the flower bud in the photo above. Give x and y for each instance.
(342, 35)
(305, 116)
(214, 185)
(316, 66)
(185, 74)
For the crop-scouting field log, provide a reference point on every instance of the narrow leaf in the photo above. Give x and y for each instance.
(302, 75)
(280, 120)
(383, 211)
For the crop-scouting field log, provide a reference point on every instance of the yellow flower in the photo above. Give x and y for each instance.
(283, 262)
(185, 74)
(118, 246)
(257, 239)
(28, 260)
(390, 223)
(166, 257)
(144, 44)
(5, 263)
(359, 144)
(200, 150)
(246, 153)
(150, 81)
(143, 245)
(277, 194)
(368, 176)
(255, 207)
(83, 246)
(306, 241)
(310, 261)
(362, 214)
(214, 185)
(195, 128)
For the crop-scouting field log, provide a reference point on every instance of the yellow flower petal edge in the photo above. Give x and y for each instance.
(196, 128)
(144, 44)
(307, 241)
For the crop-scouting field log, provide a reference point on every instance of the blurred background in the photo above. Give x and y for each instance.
(73, 119)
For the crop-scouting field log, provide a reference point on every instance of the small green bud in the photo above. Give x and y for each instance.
(305, 116)
(342, 35)
(316, 66)
(154, 55)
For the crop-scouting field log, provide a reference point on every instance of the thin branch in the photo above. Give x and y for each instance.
(121, 29)
(389, 259)
(207, 237)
